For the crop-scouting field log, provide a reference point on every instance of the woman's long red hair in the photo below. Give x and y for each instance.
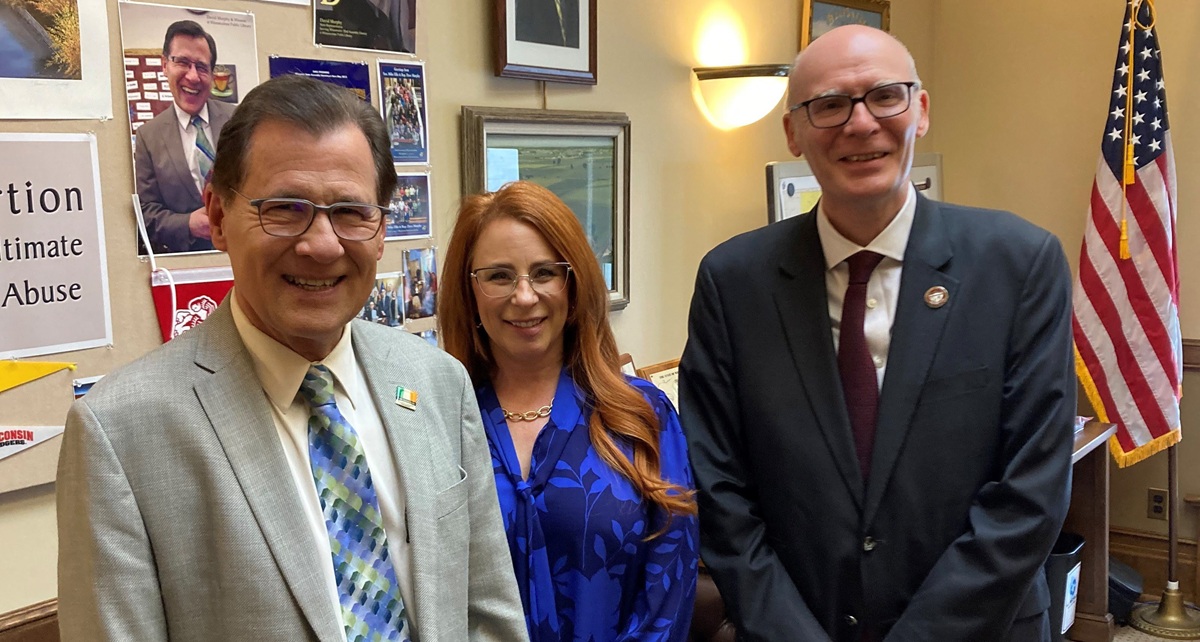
(619, 412)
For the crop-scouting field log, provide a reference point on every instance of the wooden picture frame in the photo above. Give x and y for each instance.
(581, 156)
(665, 375)
(551, 40)
(819, 16)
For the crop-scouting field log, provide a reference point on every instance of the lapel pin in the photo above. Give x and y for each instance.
(936, 297)
(406, 398)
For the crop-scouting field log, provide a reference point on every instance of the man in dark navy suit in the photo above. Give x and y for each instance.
(878, 394)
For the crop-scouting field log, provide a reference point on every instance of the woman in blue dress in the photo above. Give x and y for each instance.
(591, 467)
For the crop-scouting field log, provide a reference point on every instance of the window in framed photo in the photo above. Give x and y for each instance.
(819, 16)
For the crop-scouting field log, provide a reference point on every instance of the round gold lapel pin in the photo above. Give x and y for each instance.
(936, 297)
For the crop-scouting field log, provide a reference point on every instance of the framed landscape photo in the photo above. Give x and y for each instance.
(546, 40)
(819, 16)
(581, 156)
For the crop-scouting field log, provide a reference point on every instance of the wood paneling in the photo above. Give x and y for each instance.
(33, 623)
(1147, 554)
(1191, 354)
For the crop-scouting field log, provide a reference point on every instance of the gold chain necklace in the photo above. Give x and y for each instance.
(528, 415)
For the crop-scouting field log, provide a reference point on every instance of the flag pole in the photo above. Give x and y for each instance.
(1170, 618)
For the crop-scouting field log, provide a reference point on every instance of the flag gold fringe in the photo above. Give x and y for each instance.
(1122, 458)
(1144, 451)
(1089, 388)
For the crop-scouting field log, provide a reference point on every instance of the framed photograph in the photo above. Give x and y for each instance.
(583, 157)
(420, 284)
(379, 25)
(792, 189)
(384, 306)
(819, 16)
(402, 102)
(546, 40)
(355, 76)
(408, 213)
(665, 375)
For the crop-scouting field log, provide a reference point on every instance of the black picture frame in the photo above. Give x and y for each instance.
(553, 40)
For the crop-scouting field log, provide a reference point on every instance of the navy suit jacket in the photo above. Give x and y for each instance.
(970, 474)
(165, 187)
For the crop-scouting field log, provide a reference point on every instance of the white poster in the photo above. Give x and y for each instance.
(53, 275)
(14, 439)
(56, 60)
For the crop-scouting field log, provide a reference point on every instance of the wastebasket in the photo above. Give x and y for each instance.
(1062, 575)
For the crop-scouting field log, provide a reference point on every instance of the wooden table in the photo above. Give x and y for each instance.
(1088, 517)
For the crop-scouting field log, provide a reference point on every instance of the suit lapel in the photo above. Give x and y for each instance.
(916, 332)
(414, 457)
(218, 115)
(240, 414)
(177, 157)
(804, 313)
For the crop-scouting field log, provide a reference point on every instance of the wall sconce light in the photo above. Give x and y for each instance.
(731, 97)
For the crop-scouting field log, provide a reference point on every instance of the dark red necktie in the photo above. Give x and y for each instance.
(859, 383)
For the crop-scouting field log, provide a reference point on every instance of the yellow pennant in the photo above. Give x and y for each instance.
(16, 373)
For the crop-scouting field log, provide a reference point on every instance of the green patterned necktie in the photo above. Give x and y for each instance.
(204, 149)
(372, 608)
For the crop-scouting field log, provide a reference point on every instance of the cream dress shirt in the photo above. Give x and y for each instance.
(281, 371)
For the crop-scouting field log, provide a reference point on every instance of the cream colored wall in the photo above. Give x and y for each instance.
(1020, 108)
(692, 187)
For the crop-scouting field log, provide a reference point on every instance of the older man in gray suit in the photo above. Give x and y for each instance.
(283, 472)
(174, 150)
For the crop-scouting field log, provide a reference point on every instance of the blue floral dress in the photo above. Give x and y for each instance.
(576, 529)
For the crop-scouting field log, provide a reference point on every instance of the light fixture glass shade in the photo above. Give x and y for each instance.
(732, 97)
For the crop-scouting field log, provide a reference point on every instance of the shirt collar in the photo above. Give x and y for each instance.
(891, 242)
(280, 370)
(185, 119)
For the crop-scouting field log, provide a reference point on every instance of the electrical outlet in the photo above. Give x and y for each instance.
(1156, 503)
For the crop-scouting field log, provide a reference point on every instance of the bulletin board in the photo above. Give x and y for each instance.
(283, 29)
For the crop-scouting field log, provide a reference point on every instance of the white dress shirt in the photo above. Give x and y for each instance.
(281, 371)
(883, 287)
(187, 136)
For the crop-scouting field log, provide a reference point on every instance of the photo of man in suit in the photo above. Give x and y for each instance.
(174, 151)
(879, 394)
(285, 471)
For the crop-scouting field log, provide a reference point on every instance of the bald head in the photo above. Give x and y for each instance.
(860, 145)
(835, 46)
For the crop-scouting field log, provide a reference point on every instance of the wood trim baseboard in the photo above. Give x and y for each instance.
(1191, 354)
(33, 623)
(1146, 553)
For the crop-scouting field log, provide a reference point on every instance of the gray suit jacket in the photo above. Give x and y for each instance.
(177, 519)
(164, 183)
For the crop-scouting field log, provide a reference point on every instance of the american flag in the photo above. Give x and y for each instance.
(1128, 352)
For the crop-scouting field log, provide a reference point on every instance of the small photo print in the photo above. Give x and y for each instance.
(409, 212)
(355, 76)
(402, 102)
(420, 284)
(430, 336)
(384, 306)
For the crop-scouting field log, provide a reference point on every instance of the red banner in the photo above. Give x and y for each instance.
(184, 298)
